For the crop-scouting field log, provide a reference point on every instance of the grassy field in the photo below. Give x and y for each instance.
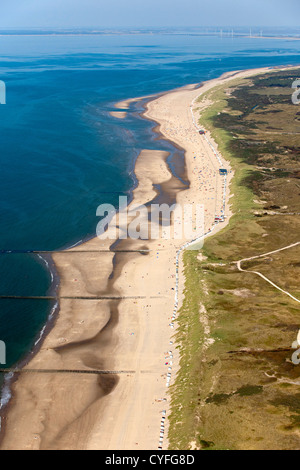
(237, 387)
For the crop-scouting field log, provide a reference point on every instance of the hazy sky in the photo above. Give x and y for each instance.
(139, 13)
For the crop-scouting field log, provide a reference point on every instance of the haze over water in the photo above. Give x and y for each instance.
(61, 152)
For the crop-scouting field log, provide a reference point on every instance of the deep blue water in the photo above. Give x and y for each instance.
(62, 154)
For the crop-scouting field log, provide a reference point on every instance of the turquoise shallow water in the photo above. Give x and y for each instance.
(62, 154)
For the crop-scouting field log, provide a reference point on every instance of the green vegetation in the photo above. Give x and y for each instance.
(237, 387)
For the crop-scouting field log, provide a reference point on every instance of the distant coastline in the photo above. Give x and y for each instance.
(223, 33)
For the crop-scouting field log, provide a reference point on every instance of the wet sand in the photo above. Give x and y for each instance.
(115, 311)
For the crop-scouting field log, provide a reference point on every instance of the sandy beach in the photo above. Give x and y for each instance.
(116, 306)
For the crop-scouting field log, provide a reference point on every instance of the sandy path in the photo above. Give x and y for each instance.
(239, 266)
(124, 411)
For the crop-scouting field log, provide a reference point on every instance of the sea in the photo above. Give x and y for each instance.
(62, 154)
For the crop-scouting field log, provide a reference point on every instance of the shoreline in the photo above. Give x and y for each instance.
(162, 172)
